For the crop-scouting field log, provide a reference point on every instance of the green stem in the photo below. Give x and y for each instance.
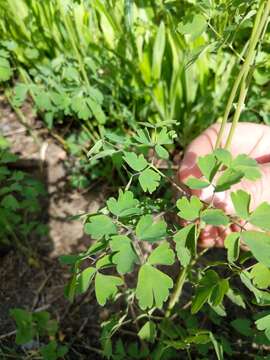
(247, 66)
(73, 44)
(259, 23)
(177, 291)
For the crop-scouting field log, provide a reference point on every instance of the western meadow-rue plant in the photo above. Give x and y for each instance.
(146, 261)
(137, 249)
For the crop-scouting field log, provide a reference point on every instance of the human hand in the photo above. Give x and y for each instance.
(250, 139)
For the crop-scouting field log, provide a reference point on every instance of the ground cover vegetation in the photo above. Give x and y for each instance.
(124, 86)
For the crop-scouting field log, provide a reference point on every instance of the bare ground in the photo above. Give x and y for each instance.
(38, 283)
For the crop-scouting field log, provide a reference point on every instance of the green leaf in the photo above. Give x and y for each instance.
(219, 291)
(80, 107)
(208, 166)
(143, 137)
(193, 25)
(194, 183)
(241, 202)
(232, 244)
(148, 332)
(162, 255)
(5, 69)
(99, 226)
(162, 152)
(125, 205)
(249, 167)
(259, 245)
(137, 163)
(104, 262)
(261, 276)
(149, 180)
(125, 256)
(264, 324)
(106, 287)
(97, 111)
(10, 202)
(189, 209)
(224, 156)
(243, 326)
(147, 230)
(215, 217)
(186, 244)
(236, 298)
(227, 179)
(85, 278)
(95, 149)
(25, 328)
(204, 290)
(52, 351)
(152, 287)
(260, 217)
(165, 137)
(158, 51)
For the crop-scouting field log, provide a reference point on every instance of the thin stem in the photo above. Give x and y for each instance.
(260, 19)
(249, 61)
(177, 291)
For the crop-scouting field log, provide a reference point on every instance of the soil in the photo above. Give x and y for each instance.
(37, 283)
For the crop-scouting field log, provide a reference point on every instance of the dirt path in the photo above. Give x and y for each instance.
(41, 286)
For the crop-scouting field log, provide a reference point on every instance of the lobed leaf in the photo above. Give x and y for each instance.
(260, 217)
(136, 162)
(162, 255)
(215, 217)
(147, 230)
(149, 180)
(152, 287)
(189, 209)
(259, 245)
(125, 256)
(241, 202)
(125, 205)
(100, 226)
(106, 287)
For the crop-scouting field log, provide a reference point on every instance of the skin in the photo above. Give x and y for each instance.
(250, 139)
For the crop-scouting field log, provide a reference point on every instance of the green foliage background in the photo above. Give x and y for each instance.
(127, 79)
